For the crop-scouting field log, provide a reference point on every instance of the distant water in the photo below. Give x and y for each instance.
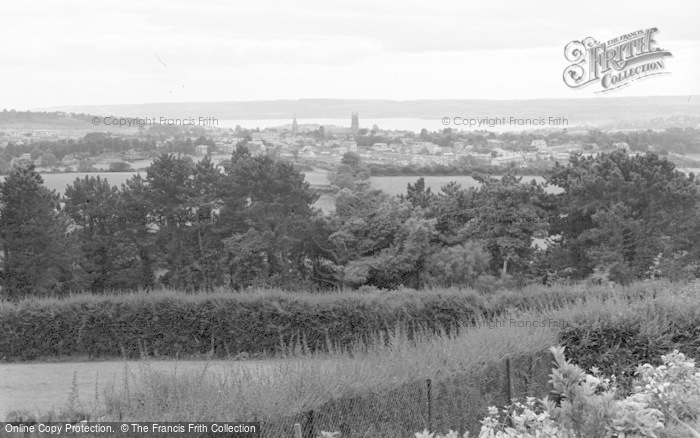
(397, 124)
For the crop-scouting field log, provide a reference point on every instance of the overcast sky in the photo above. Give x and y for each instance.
(118, 52)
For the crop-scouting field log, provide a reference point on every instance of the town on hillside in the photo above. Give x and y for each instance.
(80, 147)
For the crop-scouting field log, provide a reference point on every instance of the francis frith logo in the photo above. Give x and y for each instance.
(616, 63)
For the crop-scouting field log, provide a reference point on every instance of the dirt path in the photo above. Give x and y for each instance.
(41, 387)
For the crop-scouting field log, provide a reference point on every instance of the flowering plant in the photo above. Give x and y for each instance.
(673, 388)
(529, 420)
(450, 434)
(589, 407)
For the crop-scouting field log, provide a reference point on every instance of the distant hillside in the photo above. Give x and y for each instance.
(596, 111)
(44, 120)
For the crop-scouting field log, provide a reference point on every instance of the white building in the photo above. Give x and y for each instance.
(539, 144)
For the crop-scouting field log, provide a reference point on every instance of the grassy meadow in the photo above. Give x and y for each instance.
(376, 386)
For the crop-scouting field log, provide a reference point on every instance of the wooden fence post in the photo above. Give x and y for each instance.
(509, 391)
(309, 425)
(297, 430)
(344, 430)
(430, 408)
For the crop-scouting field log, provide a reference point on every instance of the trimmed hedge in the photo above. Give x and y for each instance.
(224, 324)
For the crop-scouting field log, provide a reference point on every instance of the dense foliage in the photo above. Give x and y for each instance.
(251, 223)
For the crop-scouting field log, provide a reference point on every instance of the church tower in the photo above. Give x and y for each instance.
(354, 123)
(295, 126)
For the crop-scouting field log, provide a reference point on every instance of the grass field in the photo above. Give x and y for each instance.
(45, 386)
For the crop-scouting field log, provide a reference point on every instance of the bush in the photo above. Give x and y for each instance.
(642, 333)
(458, 265)
(120, 166)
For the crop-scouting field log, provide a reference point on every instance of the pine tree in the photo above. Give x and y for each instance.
(33, 237)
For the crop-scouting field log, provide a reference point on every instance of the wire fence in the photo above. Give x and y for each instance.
(456, 402)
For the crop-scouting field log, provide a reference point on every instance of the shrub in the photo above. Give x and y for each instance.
(673, 388)
(458, 265)
(589, 408)
(120, 166)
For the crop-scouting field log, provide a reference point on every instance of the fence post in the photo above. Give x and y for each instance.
(297, 430)
(344, 430)
(309, 425)
(430, 407)
(509, 392)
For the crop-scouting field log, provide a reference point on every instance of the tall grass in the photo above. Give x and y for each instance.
(307, 380)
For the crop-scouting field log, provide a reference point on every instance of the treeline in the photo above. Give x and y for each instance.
(93, 144)
(194, 226)
(675, 140)
(46, 118)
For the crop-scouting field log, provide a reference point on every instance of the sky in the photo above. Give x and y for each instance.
(127, 52)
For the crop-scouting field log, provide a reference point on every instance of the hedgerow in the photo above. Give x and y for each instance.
(225, 324)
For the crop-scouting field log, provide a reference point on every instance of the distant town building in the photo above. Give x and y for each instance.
(507, 159)
(351, 145)
(539, 144)
(227, 148)
(202, 149)
(295, 125)
(381, 147)
(560, 156)
(256, 147)
(354, 123)
(494, 143)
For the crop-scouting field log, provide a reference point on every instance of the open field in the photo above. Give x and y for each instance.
(397, 185)
(44, 387)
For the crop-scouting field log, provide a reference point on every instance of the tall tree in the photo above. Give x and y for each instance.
(418, 195)
(170, 196)
(623, 211)
(505, 216)
(265, 219)
(36, 254)
(109, 259)
(380, 240)
(140, 227)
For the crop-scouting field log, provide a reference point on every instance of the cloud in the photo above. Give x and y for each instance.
(105, 52)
